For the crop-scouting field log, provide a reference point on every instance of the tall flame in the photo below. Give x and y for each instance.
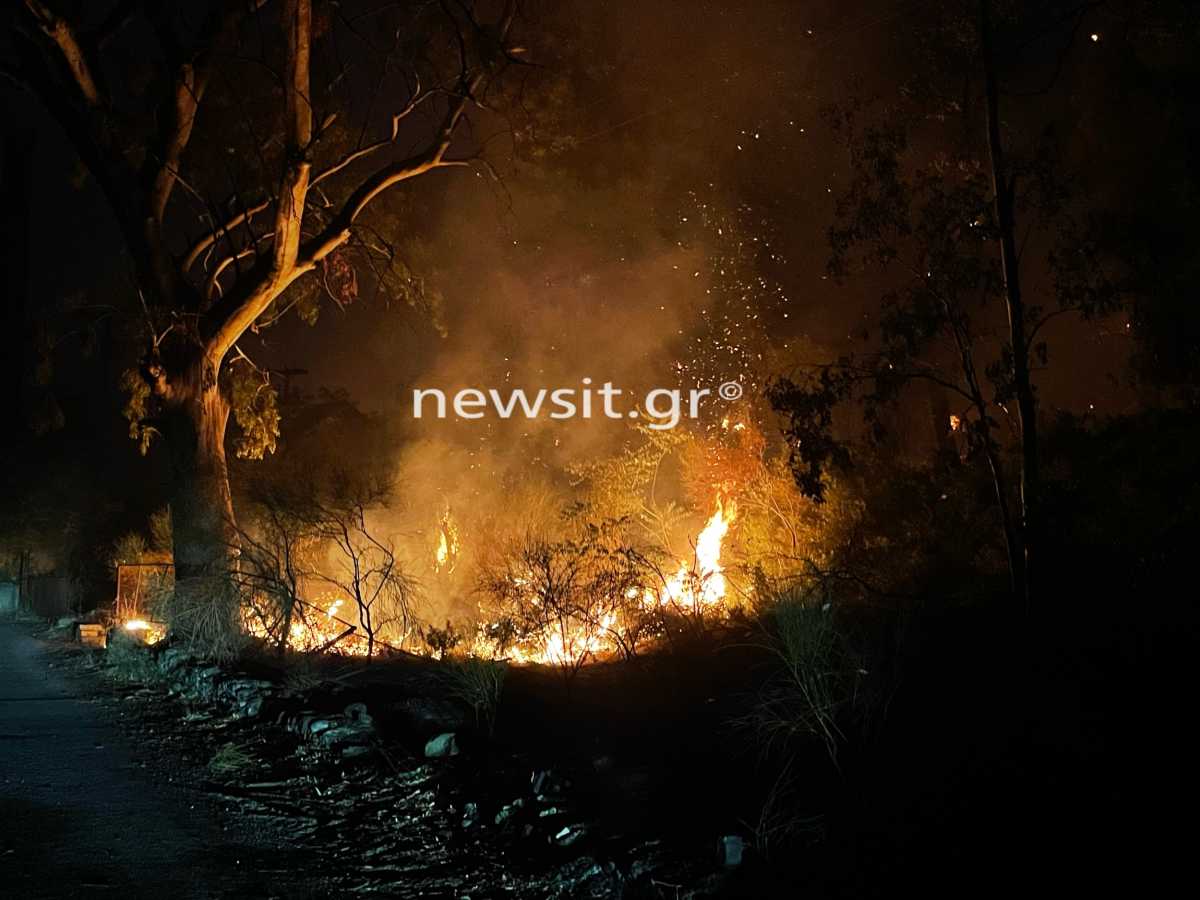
(705, 585)
(446, 554)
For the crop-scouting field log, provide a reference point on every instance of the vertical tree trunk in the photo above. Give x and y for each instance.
(201, 504)
(1022, 386)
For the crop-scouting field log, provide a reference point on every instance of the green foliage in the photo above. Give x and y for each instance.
(205, 614)
(161, 533)
(128, 659)
(255, 406)
(136, 408)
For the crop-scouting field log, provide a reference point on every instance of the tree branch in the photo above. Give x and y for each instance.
(58, 30)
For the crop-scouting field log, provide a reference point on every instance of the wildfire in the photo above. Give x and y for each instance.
(149, 632)
(446, 554)
(313, 627)
(705, 585)
(698, 587)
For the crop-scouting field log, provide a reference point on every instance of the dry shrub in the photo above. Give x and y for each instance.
(204, 613)
(129, 659)
(232, 759)
(479, 683)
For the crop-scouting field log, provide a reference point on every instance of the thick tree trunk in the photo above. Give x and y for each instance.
(202, 520)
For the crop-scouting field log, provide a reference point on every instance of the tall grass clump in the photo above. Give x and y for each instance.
(815, 680)
(205, 615)
(479, 683)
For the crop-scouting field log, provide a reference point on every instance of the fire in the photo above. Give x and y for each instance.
(697, 587)
(149, 632)
(446, 554)
(703, 586)
(313, 627)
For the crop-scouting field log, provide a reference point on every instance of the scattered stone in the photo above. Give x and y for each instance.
(442, 746)
(570, 834)
(509, 810)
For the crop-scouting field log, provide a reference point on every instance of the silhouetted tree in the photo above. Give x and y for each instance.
(244, 116)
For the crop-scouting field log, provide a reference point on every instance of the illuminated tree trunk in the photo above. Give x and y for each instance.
(195, 414)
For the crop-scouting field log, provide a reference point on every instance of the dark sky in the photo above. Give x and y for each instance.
(694, 126)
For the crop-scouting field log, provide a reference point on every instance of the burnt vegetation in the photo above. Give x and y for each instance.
(907, 610)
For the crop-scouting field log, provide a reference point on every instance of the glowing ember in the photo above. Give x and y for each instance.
(149, 632)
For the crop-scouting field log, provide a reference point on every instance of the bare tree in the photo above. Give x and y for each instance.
(278, 543)
(364, 568)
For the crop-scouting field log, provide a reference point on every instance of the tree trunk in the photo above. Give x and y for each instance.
(193, 422)
(1014, 302)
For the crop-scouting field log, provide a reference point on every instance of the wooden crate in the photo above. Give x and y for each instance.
(93, 636)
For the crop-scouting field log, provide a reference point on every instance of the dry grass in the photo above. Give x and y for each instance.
(204, 613)
(232, 759)
(479, 683)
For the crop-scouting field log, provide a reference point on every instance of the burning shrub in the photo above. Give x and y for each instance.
(442, 641)
(565, 602)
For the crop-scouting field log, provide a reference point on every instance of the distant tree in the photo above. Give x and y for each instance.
(942, 206)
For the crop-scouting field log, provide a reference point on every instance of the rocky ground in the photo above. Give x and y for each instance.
(354, 791)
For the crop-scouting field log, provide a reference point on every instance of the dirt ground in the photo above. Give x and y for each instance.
(83, 815)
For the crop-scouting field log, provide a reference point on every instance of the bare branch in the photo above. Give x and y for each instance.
(293, 189)
(58, 30)
(207, 241)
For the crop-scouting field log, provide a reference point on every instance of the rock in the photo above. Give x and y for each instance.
(341, 736)
(357, 713)
(172, 659)
(442, 746)
(570, 834)
(510, 810)
(246, 695)
(428, 716)
(730, 849)
(314, 728)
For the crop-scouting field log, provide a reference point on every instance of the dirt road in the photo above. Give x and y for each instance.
(81, 817)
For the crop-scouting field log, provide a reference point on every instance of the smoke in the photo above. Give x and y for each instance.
(607, 258)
